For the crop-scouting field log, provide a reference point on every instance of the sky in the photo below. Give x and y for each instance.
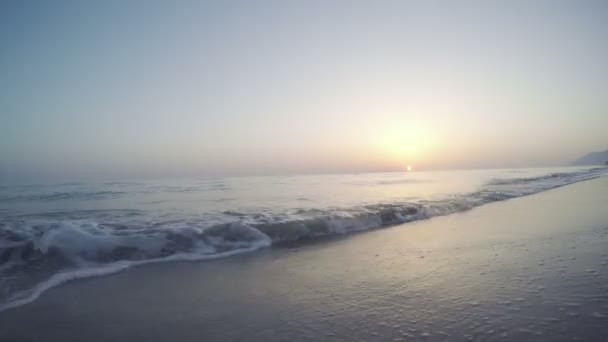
(123, 89)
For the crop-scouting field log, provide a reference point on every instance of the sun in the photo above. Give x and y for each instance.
(412, 142)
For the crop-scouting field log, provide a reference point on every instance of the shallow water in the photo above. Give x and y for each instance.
(530, 269)
(51, 233)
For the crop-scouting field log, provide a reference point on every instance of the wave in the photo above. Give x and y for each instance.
(43, 254)
(60, 196)
(39, 252)
(43, 194)
(558, 176)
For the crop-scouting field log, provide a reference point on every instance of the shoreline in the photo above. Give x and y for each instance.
(120, 252)
(524, 259)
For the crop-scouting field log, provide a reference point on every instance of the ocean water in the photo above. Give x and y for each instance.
(52, 233)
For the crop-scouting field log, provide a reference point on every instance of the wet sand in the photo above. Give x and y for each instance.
(532, 268)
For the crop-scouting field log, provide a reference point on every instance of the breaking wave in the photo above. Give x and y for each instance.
(38, 252)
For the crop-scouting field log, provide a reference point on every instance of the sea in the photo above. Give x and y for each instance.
(53, 233)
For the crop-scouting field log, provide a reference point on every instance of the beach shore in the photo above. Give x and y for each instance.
(533, 268)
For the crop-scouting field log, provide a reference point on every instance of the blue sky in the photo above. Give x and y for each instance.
(115, 89)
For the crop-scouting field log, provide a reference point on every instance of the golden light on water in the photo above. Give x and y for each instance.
(408, 168)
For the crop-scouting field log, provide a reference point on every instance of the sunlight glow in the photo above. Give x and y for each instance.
(409, 141)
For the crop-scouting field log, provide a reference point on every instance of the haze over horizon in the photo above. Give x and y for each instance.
(123, 89)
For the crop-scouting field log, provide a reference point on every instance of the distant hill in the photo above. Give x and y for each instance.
(593, 158)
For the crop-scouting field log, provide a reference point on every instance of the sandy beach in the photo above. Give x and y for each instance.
(533, 268)
(303, 171)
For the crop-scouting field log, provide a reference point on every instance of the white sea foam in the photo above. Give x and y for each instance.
(96, 270)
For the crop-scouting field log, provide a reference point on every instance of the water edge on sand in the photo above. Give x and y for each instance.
(531, 268)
